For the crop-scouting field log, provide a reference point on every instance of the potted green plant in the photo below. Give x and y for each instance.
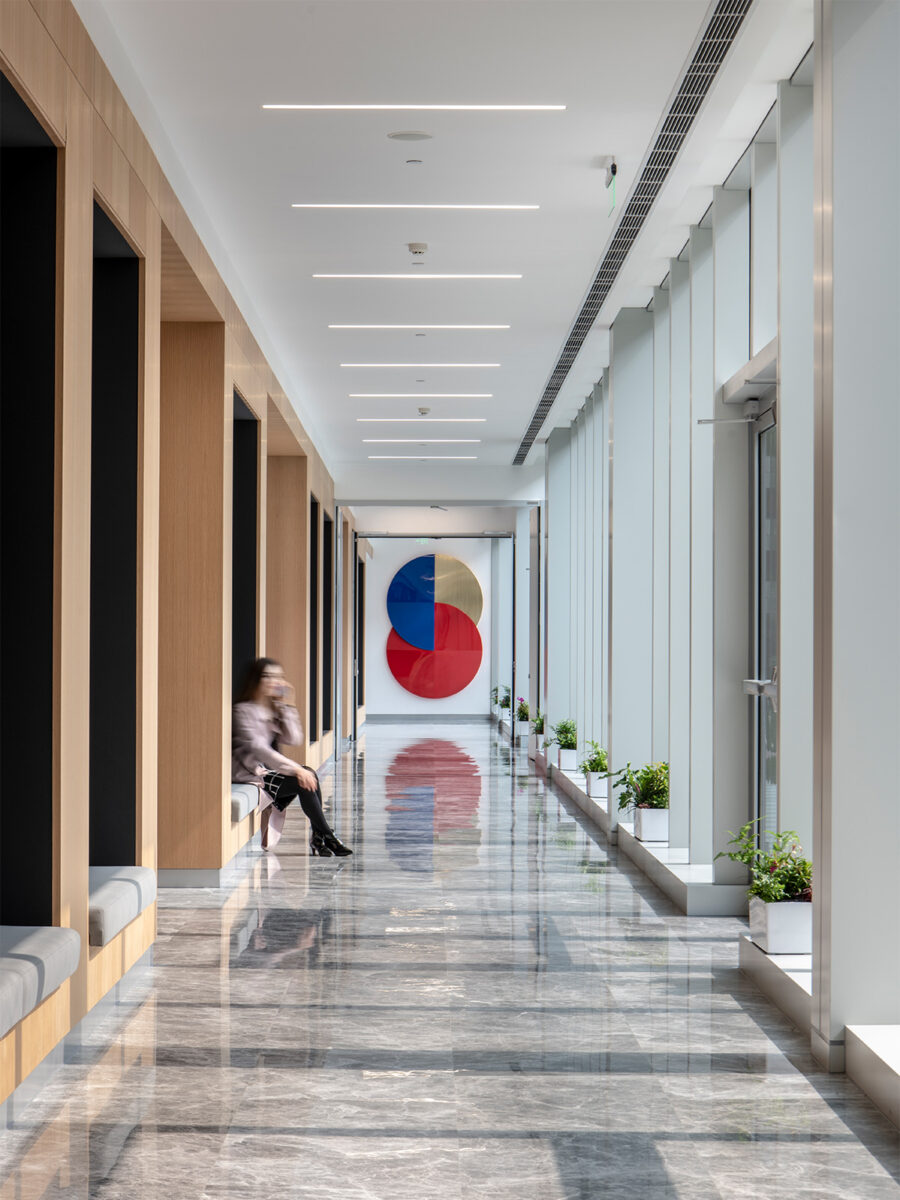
(646, 792)
(780, 890)
(521, 717)
(538, 726)
(495, 696)
(595, 769)
(505, 699)
(565, 735)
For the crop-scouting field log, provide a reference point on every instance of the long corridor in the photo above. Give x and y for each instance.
(482, 1002)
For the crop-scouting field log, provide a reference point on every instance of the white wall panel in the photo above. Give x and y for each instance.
(631, 402)
(659, 741)
(558, 558)
(679, 553)
(856, 953)
(702, 405)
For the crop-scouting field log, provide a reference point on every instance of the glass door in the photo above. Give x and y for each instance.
(765, 686)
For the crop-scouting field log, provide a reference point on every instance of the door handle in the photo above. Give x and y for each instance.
(763, 687)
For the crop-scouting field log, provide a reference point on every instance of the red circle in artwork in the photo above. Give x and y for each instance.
(449, 667)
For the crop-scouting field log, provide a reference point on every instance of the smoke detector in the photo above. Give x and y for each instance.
(417, 249)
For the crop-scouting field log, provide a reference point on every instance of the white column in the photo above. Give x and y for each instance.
(559, 574)
(679, 553)
(702, 499)
(579, 521)
(659, 741)
(600, 563)
(590, 551)
(796, 433)
(856, 887)
(764, 245)
(631, 403)
(732, 578)
(523, 601)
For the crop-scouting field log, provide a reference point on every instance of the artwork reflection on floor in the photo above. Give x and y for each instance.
(433, 789)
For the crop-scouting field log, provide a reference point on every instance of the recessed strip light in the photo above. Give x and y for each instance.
(416, 275)
(421, 457)
(421, 420)
(423, 441)
(465, 207)
(417, 107)
(421, 395)
(420, 365)
(418, 326)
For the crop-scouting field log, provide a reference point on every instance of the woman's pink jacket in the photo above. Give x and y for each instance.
(253, 729)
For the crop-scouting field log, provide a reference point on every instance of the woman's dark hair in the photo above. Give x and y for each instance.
(252, 677)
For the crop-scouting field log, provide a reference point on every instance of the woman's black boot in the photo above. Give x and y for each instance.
(317, 845)
(335, 846)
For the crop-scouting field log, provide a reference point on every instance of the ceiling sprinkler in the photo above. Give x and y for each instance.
(417, 249)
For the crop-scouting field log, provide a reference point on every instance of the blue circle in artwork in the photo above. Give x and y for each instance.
(410, 602)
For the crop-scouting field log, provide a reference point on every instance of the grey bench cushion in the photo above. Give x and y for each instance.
(244, 798)
(117, 896)
(34, 961)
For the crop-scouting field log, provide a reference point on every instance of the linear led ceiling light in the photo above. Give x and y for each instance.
(421, 420)
(420, 395)
(418, 326)
(420, 365)
(417, 107)
(422, 441)
(416, 275)
(420, 457)
(479, 207)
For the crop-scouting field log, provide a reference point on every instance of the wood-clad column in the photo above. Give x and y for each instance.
(73, 534)
(148, 548)
(348, 590)
(194, 602)
(287, 575)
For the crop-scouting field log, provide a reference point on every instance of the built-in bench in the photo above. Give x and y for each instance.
(117, 896)
(244, 799)
(34, 961)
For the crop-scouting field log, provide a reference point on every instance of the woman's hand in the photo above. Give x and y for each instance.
(287, 693)
(306, 778)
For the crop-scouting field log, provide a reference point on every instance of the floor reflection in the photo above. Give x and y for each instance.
(482, 1001)
(433, 789)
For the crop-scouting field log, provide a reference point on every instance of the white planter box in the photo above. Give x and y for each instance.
(568, 760)
(651, 824)
(522, 728)
(783, 928)
(596, 784)
(539, 743)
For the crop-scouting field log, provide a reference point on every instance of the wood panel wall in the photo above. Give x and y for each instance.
(192, 333)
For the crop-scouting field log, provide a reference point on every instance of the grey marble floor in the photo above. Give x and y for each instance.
(482, 1002)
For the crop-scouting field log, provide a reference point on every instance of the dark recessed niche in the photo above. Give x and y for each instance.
(115, 350)
(327, 621)
(313, 733)
(244, 535)
(28, 189)
(360, 633)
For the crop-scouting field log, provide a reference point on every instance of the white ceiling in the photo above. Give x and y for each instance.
(196, 73)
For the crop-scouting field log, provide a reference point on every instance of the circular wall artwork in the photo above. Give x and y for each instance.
(434, 603)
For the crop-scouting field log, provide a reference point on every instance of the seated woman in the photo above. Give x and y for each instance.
(263, 719)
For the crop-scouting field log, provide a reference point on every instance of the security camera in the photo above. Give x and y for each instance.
(610, 172)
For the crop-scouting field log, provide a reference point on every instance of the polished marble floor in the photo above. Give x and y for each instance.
(482, 1002)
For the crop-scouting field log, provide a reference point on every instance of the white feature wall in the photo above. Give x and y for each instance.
(384, 695)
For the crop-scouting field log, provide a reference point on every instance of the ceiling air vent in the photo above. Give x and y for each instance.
(714, 44)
